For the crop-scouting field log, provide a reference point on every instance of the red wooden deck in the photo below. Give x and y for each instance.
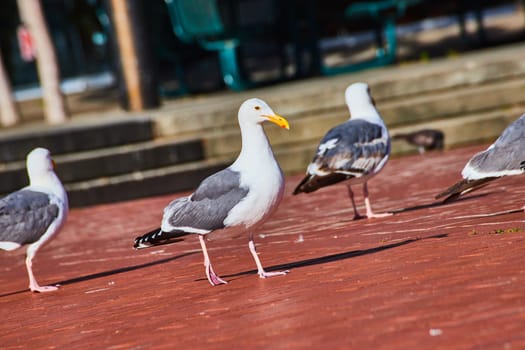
(426, 278)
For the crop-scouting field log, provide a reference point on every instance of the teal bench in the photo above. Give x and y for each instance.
(202, 22)
(383, 15)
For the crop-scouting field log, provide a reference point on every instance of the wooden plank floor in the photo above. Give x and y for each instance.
(425, 278)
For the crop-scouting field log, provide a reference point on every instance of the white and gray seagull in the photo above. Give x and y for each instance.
(505, 157)
(35, 214)
(240, 197)
(353, 152)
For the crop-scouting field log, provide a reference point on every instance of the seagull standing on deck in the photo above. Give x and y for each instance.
(353, 151)
(240, 197)
(506, 156)
(34, 214)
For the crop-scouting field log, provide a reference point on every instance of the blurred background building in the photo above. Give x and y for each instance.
(338, 33)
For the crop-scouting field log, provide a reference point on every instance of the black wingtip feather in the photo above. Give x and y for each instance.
(157, 237)
(312, 183)
(143, 241)
(462, 187)
(300, 186)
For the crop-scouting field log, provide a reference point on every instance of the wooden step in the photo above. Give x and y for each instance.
(101, 163)
(164, 180)
(76, 136)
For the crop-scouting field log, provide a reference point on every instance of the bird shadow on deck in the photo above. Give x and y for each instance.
(108, 273)
(336, 257)
(123, 269)
(438, 203)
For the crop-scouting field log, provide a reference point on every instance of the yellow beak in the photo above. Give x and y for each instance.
(277, 119)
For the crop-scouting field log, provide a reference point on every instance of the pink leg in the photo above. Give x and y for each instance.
(212, 277)
(260, 269)
(33, 284)
(357, 216)
(369, 213)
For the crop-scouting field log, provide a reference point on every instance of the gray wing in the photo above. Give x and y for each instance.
(507, 152)
(208, 207)
(25, 216)
(354, 148)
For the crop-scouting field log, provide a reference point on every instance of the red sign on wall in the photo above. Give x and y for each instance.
(26, 44)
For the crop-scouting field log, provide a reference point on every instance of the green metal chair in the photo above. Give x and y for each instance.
(383, 14)
(200, 21)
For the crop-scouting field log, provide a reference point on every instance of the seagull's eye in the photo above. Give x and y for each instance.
(257, 108)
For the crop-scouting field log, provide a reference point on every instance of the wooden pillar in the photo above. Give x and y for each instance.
(8, 111)
(32, 15)
(135, 63)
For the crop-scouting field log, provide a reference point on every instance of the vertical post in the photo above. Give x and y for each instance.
(32, 15)
(135, 60)
(8, 111)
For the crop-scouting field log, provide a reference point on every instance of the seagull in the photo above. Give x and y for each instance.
(35, 214)
(425, 140)
(239, 198)
(505, 157)
(353, 151)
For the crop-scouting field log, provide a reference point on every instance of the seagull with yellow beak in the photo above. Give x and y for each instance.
(239, 198)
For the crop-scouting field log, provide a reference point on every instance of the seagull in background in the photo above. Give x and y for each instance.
(505, 157)
(425, 140)
(34, 214)
(241, 197)
(353, 152)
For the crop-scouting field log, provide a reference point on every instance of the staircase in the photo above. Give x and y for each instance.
(107, 161)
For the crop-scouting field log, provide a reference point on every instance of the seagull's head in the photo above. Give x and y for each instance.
(359, 98)
(257, 111)
(39, 164)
